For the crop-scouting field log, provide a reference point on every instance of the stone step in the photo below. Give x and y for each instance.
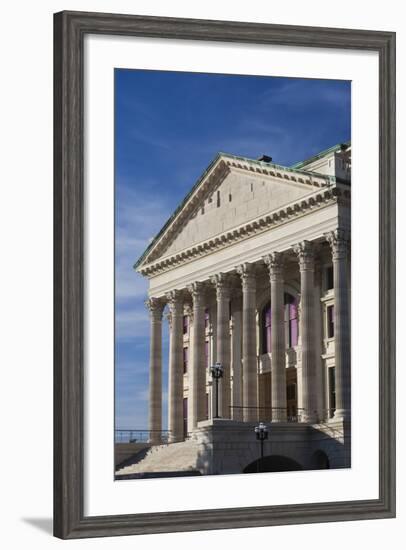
(180, 456)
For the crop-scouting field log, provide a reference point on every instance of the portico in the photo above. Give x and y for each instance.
(252, 271)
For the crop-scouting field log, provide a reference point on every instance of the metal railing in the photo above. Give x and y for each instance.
(266, 414)
(135, 435)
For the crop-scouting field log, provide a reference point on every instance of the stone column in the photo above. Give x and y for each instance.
(213, 356)
(197, 375)
(305, 252)
(236, 359)
(339, 242)
(274, 262)
(175, 387)
(318, 347)
(250, 377)
(223, 293)
(155, 306)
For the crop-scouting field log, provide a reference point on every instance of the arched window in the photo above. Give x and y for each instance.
(291, 324)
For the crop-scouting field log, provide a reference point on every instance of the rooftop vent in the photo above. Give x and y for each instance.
(265, 158)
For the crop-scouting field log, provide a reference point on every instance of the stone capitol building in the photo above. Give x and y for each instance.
(252, 271)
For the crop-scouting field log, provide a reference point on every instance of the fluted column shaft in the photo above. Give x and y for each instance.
(339, 243)
(155, 307)
(175, 386)
(223, 341)
(278, 362)
(305, 253)
(197, 375)
(250, 382)
(236, 360)
(318, 350)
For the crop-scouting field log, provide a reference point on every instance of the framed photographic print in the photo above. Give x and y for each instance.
(224, 274)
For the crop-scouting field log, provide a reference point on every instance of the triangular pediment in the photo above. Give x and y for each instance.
(232, 192)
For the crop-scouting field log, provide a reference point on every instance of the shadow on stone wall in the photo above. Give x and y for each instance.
(204, 460)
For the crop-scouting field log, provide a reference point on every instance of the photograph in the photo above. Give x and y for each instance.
(232, 202)
(199, 280)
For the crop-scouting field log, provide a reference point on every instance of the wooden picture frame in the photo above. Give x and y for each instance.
(69, 518)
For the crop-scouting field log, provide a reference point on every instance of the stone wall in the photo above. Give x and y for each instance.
(228, 447)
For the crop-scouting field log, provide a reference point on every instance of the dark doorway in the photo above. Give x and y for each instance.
(274, 463)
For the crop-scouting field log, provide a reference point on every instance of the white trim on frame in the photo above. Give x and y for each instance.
(103, 496)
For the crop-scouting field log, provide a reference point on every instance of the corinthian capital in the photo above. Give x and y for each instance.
(305, 253)
(275, 262)
(156, 307)
(222, 283)
(247, 274)
(197, 290)
(175, 301)
(339, 241)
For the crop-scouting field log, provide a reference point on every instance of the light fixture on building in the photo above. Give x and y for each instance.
(216, 372)
(261, 431)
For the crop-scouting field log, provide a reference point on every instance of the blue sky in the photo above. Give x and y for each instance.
(168, 127)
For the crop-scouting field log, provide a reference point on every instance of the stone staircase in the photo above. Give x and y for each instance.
(173, 457)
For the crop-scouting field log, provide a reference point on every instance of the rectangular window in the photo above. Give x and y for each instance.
(218, 199)
(206, 318)
(185, 428)
(329, 278)
(267, 335)
(185, 324)
(207, 406)
(230, 197)
(332, 390)
(330, 321)
(291, 392)
(185, 359)
(293, 325)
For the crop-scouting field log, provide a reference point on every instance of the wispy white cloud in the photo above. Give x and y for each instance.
(151, 139)
(139, 218)
(294, 93)
(132, 324)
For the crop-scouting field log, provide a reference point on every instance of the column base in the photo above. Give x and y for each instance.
(309, 419)
(341, 415)
(155, 441)
(279, 417)
(175, 439)
(250, 416)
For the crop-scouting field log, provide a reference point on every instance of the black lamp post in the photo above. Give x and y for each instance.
(217, 372)
(261, 431)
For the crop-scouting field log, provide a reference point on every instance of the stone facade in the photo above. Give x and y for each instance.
(253, 268)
